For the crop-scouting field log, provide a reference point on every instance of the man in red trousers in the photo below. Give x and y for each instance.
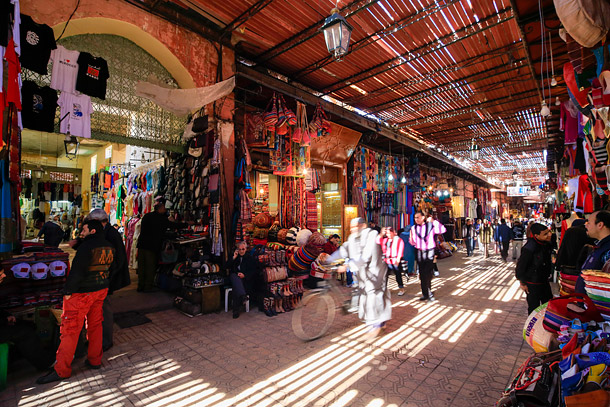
(84, 293)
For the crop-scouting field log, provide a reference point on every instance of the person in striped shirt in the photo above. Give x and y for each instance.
(422, 238)
(392, 248)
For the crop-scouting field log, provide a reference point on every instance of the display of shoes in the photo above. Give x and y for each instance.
(591, 359)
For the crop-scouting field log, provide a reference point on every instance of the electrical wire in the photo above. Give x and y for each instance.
(68, 22)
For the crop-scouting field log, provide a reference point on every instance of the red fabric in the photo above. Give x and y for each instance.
(329, 247)
(13, 92)
(79, 307)
(584, 197)
(392, 249)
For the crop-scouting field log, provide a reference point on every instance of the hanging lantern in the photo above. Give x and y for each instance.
(337, 34)
(475, 150)
(71, 146)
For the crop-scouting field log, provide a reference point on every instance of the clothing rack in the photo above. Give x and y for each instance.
(148, 166)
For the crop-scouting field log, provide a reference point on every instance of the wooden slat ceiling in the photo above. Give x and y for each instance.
(445, 71)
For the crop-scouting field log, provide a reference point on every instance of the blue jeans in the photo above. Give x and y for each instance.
(469, 245)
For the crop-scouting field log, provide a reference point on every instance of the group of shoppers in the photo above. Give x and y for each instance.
(585, 245)
(485, 234)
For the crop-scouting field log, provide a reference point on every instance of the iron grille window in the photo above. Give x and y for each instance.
(123, 113)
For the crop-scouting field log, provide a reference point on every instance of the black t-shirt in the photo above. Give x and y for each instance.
(37, 42)
(92, 75)
(6, 21)
(38, 107)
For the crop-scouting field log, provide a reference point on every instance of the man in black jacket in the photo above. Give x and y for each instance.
(154, 226)
(534, 267)
(52, 232)
(570, 253)
(84, 293)
(244, 273)
(119, 275)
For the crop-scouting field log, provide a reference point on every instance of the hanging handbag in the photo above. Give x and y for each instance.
(271, 116)
(169, 253)
(561, 310)
(200, 124)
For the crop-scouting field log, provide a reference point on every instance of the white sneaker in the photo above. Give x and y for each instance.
(401, 292)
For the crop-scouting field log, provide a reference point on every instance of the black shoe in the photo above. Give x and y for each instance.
(423, 298)
(90, 366)
(235, 315)
(50, 377)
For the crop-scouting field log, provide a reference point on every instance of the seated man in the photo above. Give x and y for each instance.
(244, 274)
(23, 336)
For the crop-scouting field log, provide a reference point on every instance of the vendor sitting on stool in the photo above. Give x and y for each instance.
(244, 272)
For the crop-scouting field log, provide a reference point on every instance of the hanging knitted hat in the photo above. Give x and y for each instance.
(281, 236)
(291, 236)
(303, 237)
(273, 231)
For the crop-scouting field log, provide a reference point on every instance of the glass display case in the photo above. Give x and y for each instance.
(330, 210)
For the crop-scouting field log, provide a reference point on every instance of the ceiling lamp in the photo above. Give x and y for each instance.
(337, 34)
(38, 172)
(545, 111)
(71, 146)
(475, 150)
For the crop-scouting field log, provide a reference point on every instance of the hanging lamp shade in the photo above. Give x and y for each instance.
(475, 150)
(71, 146)
(337, 34)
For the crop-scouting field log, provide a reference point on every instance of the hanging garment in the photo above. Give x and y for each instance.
(584, 195)
(65, 69)
(568, 121)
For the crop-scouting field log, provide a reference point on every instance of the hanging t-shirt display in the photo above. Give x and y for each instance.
(37, 42)
(92, 75)
(39, 106)
(65, 69)
(6, 17)
(75, 114)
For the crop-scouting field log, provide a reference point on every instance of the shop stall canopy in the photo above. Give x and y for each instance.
(446, 73)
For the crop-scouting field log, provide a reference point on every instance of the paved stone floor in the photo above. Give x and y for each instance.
(461, 350)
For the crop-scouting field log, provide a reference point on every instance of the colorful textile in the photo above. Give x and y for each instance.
(312, 211)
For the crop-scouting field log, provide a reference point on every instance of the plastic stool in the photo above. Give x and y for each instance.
(227, 291)
(3, 364)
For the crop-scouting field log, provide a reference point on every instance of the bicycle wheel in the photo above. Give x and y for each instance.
(314, 315)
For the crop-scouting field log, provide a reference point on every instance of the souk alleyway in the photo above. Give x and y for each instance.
(461, 350)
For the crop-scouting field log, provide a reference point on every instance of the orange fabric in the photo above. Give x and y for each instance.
(79, 307)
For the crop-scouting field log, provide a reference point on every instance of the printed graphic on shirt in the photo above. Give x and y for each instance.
(77, 111)
(38, 105)
(93, 72)
(32, 38)
(101, 259)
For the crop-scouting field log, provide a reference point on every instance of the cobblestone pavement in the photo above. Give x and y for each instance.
(461, 350)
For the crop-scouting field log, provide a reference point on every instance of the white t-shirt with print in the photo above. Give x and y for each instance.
(65, 69)
(78, 110)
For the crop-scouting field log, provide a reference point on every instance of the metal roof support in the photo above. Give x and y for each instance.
(457, 112)
(351, 9)
(436, 90)
(245, 16)
(496, 53)
(391, 29)
(424, 50)
(526, 48)
(374, 126)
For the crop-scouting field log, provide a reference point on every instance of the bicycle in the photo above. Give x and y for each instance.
(315, 314)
